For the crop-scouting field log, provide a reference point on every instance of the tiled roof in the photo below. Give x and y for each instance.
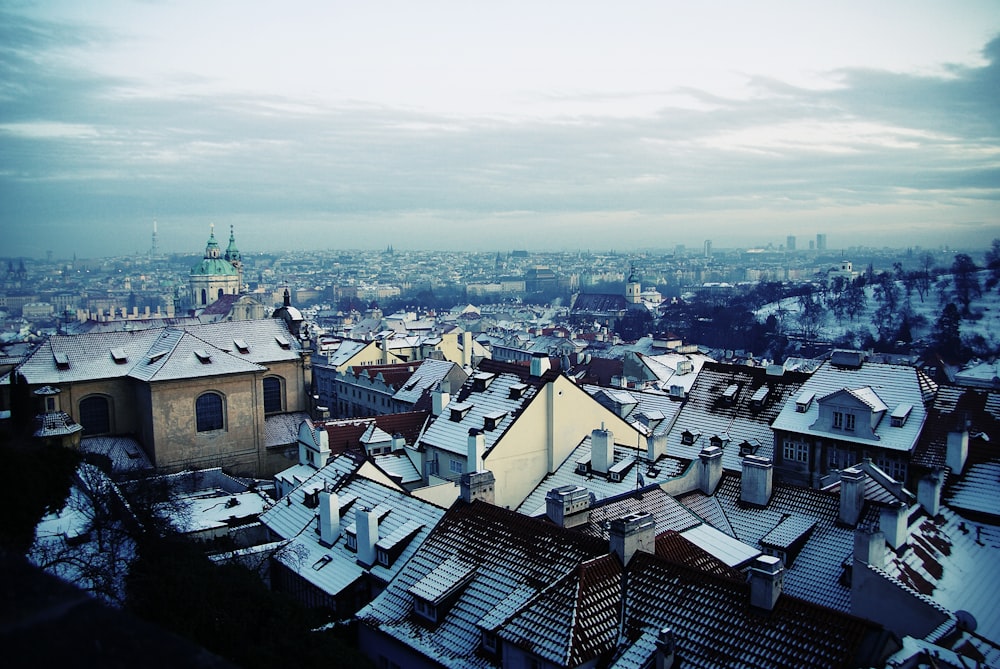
(649, 412)
(956, 407)
(283, 428)
(346, 434)
(880, 386)
(707, 413)
(125, 453)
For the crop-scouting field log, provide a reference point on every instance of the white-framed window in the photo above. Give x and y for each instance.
(456, 466)
(849, 421)
(838, 420)
(425, 609)
(352, 541)
(795, 451)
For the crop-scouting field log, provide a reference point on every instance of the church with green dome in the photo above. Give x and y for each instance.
(216, 274)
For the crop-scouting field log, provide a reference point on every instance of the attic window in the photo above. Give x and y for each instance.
(677, 391)
(203, 356)
(153, 357)
(729, 394)
(392, 546)
(687, 437)
(617, 472)
(241, 346)
(482, 380)
(804, 401)
(748, 448)
(62, 360)
(492, 420)
(517, 391)
(583, 465)
(282, 342)
(717, 441)
(758, 397)
(118, 355)
(458, 410)
(900, 414)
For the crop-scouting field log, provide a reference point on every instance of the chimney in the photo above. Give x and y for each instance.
(539, 364)
(602, 450)
(466, 349)
(869, 546)
(766, 576)
(366, 526)
(478, 486)
(634, 532)
(711, 469)
(329, 517)
(957, 450)
(852, 495)
(568, 505)
(756, 481)
(476, 446)
(385, 349)
(440, 397)
(929, 492)
(666, 649)
(398, 442)
(893, 521)
(656, 445)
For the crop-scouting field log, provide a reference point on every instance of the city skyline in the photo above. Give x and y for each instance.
(566, 127)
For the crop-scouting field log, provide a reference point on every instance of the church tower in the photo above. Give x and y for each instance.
(633, 289)
(233, 256)
(214, 276)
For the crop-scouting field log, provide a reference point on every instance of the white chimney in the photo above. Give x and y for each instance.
(756, 481)
(929, 492)
(893, 521)
(398, 442)
(476, 450)
(869, 546)
(366, 526)
(568, 505)
(466, 349)
(852, 495)
(602, 450)
(710, 462)
(539, 364)
(766, 577)
(329, 517)
(440, 397)
(634, 532)
(957, 450)
(656, 445)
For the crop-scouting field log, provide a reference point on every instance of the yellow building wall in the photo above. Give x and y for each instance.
(561, 415)
(124, 415)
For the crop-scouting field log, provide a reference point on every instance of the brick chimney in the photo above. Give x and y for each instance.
(756, 481)
(869, 546)
(634, 532)
(329, 517)
(366, 526)
(476, 449)
(852, 495)
(766, 577)
(710, 462)
(602, 450)
(568, 505)
(478, 485)
(929, 492)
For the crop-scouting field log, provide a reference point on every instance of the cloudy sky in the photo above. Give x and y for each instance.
(497, 125)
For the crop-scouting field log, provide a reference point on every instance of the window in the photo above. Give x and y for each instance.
(204, 296)
(838, 419)
(95, 415)
(273, 399)
(352, 541)
(209, 412)
(795, 451)
(456, 466)
(849, 421)
(425, 609)
(220, 294)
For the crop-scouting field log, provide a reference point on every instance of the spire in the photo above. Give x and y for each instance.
(232, 253)
(212, 248)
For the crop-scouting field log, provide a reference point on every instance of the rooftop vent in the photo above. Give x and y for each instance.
(282, 342)
(203, 356)
(118, 355)
(241, 346)
(62, 360)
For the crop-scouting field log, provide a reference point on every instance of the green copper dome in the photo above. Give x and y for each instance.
(214, 267)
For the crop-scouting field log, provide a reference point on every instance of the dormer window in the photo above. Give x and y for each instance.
(804, 401)
(492, 420)
(459, 410)
(489, 641)
(203, 356)
(759, 397)
(729, 394)
(482, 380)
(687, 437)
(241, 346)
(62, 360)
(900, 414)
(425, 610)
(352, 540)
(282, 342)
(118, 355)
(517, 391)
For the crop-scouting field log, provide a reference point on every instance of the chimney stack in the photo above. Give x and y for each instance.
(366, 526)
(711, 469)
(766, 577)
(957, 450)
(602, 450)
(476, 449)
(539, 364)
(893, 521)
(756, 481)
(634, 532)
(869, 546)
(440, 397)
(929, 492)
(478, 486)
(852, 495)
(398, 442)
(666, 649)
(568, 505)
(329, 517)
(656, 445)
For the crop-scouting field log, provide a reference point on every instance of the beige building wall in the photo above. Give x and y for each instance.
(562, 415)
(122, 407)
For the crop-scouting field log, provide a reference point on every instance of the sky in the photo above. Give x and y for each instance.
(497, 125)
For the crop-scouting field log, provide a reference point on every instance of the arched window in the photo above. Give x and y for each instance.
(221, 293)
(95, 415)
(204, 296)
(210, 412)
(274, 398)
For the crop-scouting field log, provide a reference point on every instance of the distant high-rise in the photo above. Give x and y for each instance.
(154, 249)
(708, 248)
(790, 243)
(820, 241)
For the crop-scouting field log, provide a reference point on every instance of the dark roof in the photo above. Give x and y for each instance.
(954, 408)
(599, 303)
(345, 435)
